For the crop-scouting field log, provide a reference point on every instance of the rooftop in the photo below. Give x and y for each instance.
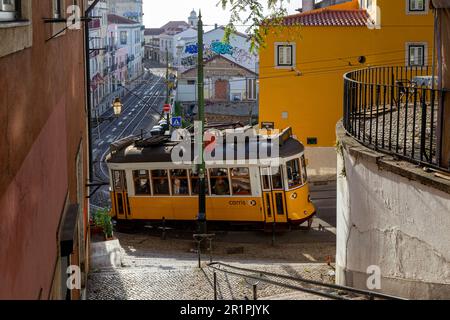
(153, 31)
(329, 17)
(115, 19)
(175, 24)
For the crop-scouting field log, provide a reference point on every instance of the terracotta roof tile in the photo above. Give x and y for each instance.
(115, 19)
(328, 17)
(153, 31)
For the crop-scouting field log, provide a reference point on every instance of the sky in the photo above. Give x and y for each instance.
(159, 12)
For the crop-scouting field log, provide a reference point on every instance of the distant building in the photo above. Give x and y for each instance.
(107, 66)
(225, 81)
(98, 29)
(193, 19)
(130, 9)
(151, 39)
(126, 34)
(240, 67)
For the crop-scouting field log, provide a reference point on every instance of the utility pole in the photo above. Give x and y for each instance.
(167, 87)
(201, 117)
(167, 75)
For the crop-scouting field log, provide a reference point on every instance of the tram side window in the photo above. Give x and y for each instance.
(160, 181)
(277, 179)
(179, 179)
(240, 181)
(219, 182)
(265, 177)
(294, 173)
(141, 182)
(119, 180)
(195, 183)
(304, 171)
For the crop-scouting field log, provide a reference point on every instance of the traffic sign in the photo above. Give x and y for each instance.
(166, 108)
(176, 122)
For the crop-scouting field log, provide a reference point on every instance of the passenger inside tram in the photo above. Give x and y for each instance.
(160, 182)
(221, 187)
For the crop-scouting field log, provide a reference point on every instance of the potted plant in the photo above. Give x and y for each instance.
(95, 228)
(102, 219)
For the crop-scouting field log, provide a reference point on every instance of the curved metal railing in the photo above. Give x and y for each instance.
(396, 110)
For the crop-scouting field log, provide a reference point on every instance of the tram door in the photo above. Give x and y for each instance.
(273, 195)
(121, 203)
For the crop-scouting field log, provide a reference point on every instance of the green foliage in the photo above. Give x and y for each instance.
(178, 109)
(251, 13)
(102, 219)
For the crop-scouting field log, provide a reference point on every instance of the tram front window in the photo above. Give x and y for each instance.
(304, 172)
(119, 180)
(219, 182)
(179, 180)
(240, 181)
(160, 181)
(277, 179)
(195, 183)
(141, 182)
(294, 173)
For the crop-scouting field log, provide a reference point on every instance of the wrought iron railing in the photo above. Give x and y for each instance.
(396, 110)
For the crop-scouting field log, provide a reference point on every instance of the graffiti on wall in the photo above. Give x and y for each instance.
(239, 55)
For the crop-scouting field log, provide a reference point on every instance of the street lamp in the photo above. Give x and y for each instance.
(117, 107)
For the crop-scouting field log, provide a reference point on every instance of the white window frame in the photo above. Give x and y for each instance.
(17, 34)
(425, 10)
(9, 11)
(293, 57)
(425, 53)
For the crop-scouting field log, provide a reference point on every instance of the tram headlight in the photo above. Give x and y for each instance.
(294, 195)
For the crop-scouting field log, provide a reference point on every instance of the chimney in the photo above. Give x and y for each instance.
(307, 5)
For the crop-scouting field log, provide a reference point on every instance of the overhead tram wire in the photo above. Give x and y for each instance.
(328, 70)
(142, 100)
(341, 59)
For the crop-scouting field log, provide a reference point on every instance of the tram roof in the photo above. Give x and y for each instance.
(159, 149)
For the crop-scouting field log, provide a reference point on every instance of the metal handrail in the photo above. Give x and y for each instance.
(370, 294)
(402, 121)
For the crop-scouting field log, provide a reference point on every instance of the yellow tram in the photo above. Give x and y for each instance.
(146, 185)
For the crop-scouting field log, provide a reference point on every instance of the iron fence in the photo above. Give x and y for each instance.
(396, 110)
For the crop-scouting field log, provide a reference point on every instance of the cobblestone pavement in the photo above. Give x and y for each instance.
(155, 269)
(191, 283)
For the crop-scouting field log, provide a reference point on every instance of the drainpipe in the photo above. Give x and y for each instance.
(88, 88)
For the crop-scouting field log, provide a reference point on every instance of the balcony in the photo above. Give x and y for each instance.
(94, 24)
(396, 110)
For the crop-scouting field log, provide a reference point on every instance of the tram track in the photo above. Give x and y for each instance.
(128, 103)
(143, 112)
(136, 110)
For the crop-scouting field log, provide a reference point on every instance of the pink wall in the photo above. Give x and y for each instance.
(31, 207)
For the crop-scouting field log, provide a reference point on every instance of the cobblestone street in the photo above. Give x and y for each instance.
(152, 268)
(156, 269)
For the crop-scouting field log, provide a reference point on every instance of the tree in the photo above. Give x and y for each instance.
(251, 14)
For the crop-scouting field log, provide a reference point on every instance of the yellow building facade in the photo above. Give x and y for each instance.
(303, 62)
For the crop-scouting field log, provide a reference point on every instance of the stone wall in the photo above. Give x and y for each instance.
(393, 215)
